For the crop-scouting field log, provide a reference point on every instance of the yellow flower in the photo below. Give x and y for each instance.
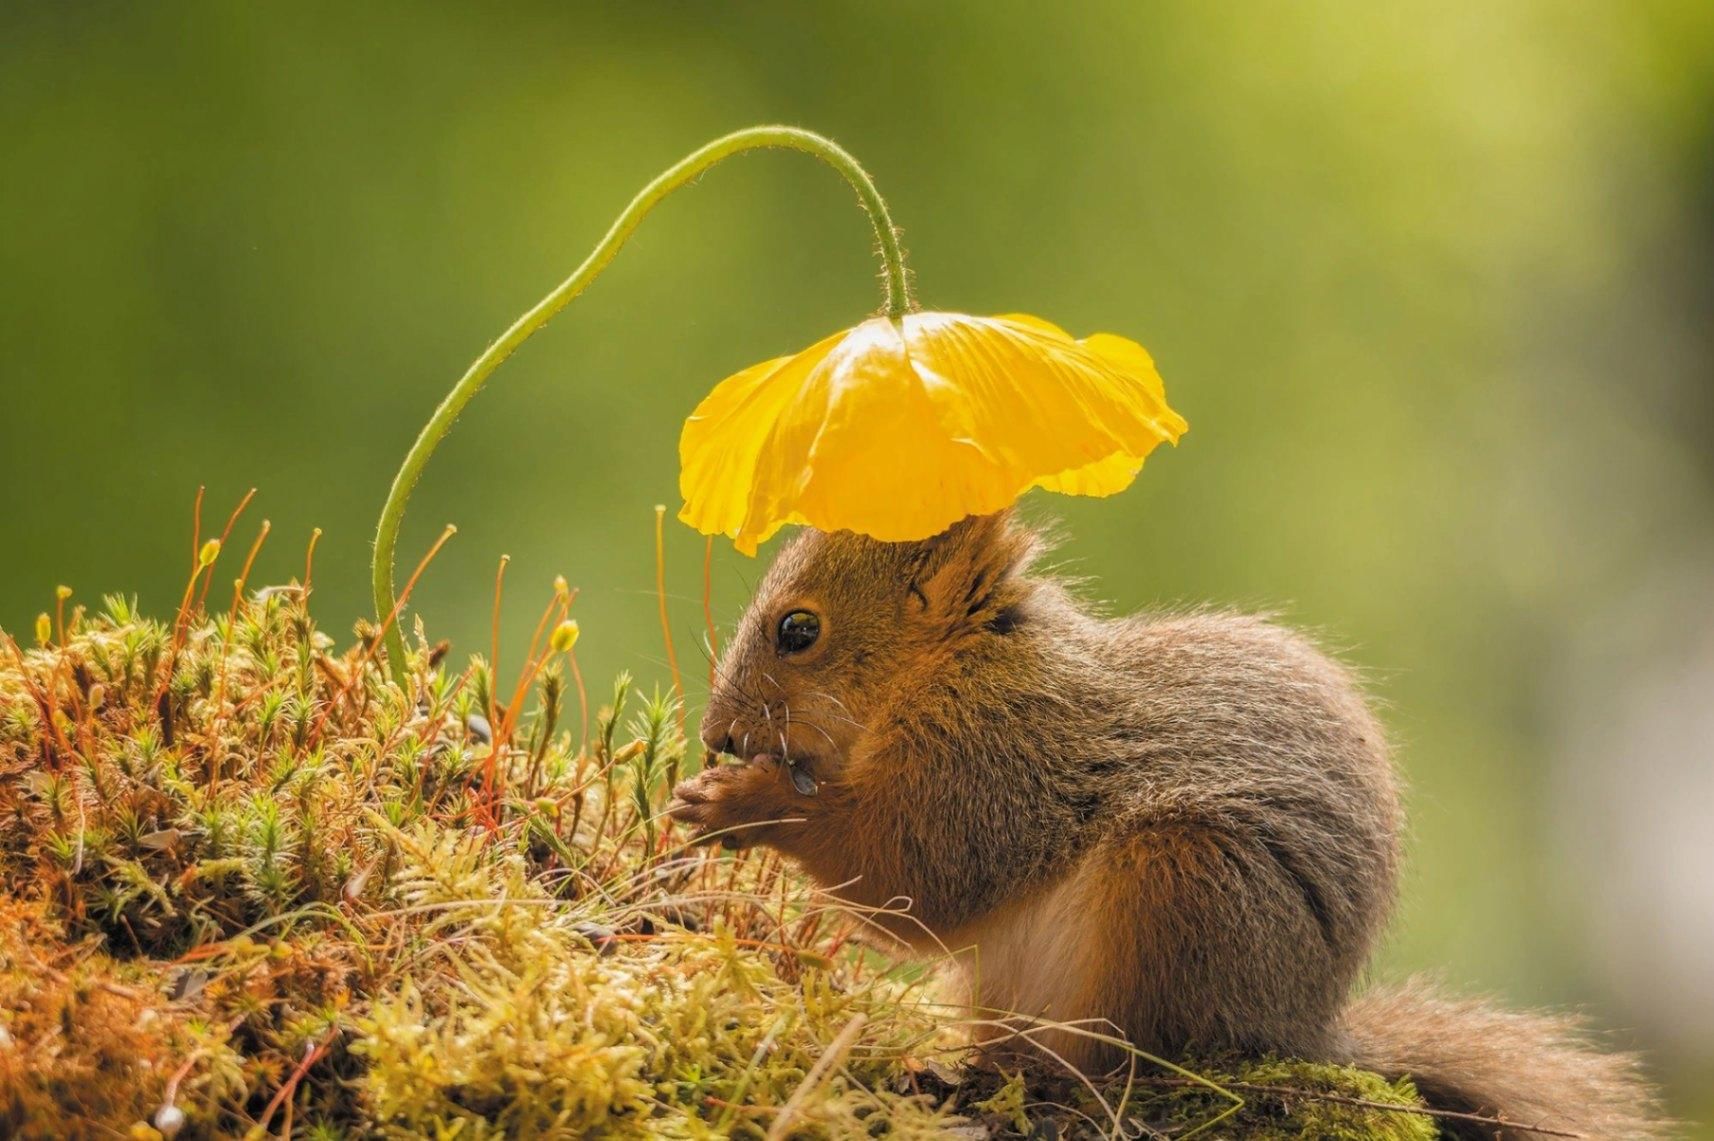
(899, 429)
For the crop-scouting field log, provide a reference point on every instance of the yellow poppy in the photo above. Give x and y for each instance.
(898, 429)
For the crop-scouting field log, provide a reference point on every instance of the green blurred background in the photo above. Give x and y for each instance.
(1432, 284)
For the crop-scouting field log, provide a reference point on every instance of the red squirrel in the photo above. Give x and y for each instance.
(1181, 829)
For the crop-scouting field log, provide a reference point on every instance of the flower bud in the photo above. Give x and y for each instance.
(210, 551)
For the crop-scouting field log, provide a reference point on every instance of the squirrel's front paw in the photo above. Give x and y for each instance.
(738, 805)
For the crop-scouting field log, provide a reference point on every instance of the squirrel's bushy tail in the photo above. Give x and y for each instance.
(1525, 1069)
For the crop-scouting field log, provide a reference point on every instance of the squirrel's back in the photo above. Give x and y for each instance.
(1241, 858)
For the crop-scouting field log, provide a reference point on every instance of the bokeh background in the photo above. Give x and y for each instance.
(1432, 283)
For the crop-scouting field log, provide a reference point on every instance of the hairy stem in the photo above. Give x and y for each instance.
(686, 170)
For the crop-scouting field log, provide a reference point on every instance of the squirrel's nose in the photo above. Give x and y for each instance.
(717, 741)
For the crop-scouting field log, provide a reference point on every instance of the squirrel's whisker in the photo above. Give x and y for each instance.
(851, 721)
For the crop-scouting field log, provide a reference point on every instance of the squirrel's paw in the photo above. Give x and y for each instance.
(737, 805)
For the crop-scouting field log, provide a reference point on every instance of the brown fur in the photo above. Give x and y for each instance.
(1180, 829)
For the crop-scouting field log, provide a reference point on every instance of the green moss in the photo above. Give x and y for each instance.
(247, 879)
(1291, 1100)
(1309, 1118)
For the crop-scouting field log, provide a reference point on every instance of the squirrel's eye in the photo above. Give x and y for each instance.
(798, 632)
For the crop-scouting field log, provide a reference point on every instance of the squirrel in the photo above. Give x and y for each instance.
(1178, 829)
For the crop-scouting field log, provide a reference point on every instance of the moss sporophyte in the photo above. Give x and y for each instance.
(895, 428)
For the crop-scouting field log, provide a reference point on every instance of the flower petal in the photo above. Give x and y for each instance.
(724, 438)
(861, 448)
(1037, 403)
(1035, 323)
(1103, 477)
(897, 429)
(1128, 357)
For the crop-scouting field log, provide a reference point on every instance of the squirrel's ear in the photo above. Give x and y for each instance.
(961, 575)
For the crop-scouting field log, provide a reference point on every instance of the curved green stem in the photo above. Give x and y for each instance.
(684, 171)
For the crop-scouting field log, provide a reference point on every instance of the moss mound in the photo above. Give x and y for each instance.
(253, 887)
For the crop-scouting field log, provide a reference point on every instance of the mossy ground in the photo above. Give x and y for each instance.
(254, 887)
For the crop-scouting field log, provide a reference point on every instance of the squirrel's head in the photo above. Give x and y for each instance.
(841, 621)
